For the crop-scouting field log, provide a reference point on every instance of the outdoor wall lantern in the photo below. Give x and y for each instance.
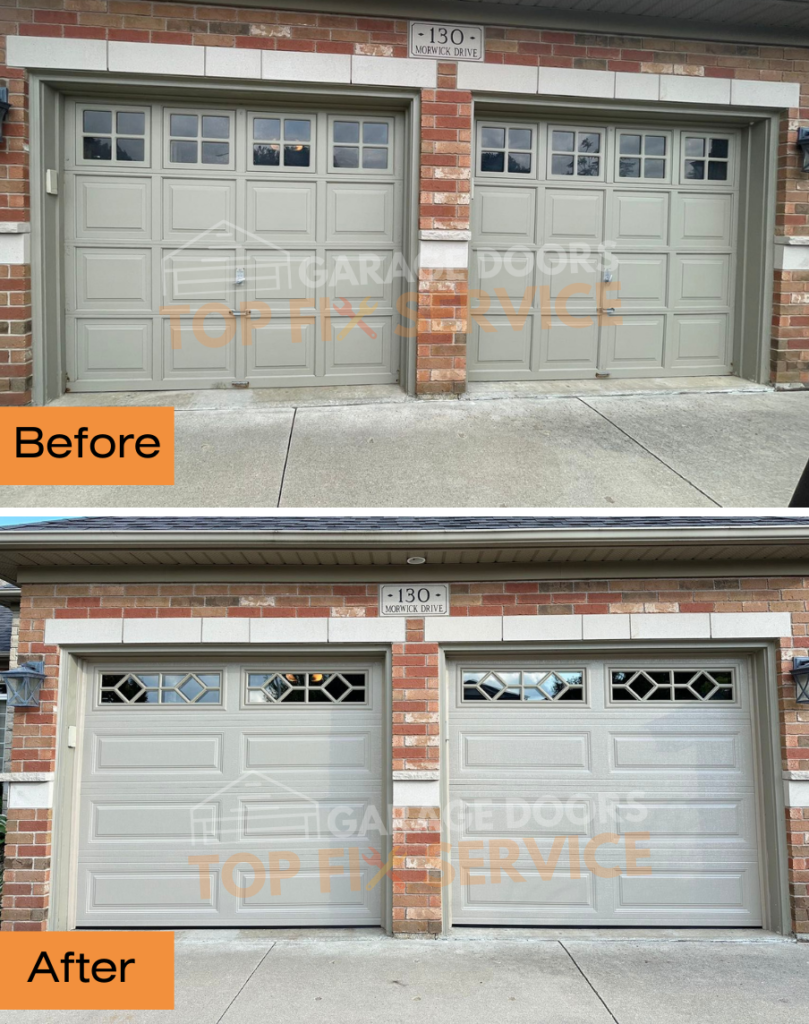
(803, 146)
(800, 673)
(23, 684)
(5, 106)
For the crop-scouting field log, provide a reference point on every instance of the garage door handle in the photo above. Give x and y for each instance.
(610, 312)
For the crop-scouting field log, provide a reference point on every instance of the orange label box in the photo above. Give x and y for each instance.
(98, 445)
(87, 970)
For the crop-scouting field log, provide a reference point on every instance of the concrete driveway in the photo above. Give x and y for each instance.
(691, 450)
(254, 978)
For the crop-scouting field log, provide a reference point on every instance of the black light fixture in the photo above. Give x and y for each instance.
(800, 673)
(803, 146)
(23, 684)
(5, 106)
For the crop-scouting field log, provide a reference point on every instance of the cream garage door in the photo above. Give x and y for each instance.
(176, 216)
(562, 768)
(569, 217)
(257, 766)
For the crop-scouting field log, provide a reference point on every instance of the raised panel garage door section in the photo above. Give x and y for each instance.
(250, 762)
(602, 250)
(561, 771)
(176, 217)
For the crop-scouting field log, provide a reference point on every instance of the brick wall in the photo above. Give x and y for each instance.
(415, 726)
(446, 142)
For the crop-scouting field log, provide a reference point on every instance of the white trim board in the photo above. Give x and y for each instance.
(655, 626)
(299, 66)
(219, 62)
(65, 632)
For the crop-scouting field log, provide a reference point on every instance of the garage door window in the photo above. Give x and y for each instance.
(672, 686)
(643, 155)
(181, 688)
(706, 158)
(322, 688)
(113, 134)
(505, 149)
(360, 144)
(534, 686)
(576, 152)
(279, 141)
(199, 138)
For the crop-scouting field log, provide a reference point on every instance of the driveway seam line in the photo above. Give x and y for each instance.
(286, 458)
(592, 986)
(244, 984)
(650, 452)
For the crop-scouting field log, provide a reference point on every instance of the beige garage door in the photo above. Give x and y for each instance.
(271, 769)
(561, 769)
(569, 217)
(187, 207)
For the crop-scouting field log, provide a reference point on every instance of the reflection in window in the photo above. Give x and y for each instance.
(706, 158)
(363, 144)
(115, 136)
(195, 138)
(575, 153)
(642, 156)
(161, 688)
(527, 686)
(506, 149)
(678, 686)
(320, 687)
(281, 141)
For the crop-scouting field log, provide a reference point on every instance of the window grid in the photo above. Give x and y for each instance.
(279, 141)
(576, 152)
(196, 138)
(360, 144)
(706, 158)
(314, 688)
(156, 688)
(673, 686)
(110, 134)
(643, 155)
(524, 685)
(505, 149)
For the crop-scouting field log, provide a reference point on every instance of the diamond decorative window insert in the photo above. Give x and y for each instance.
(506, 149)
(321, 687)
(161, 688)
(673, 686)
(529, 686)
(115, 135)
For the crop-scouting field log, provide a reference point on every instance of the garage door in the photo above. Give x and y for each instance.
(567, 218)
(197, 211)
(556, 766)
(266, 763)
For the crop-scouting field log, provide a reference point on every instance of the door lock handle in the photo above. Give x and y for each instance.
(611, 311)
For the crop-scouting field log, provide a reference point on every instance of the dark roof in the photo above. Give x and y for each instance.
(382, 524)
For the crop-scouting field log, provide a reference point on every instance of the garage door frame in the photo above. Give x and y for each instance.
(48, 90)
(754, 285)
(77, 672)
(763, 674)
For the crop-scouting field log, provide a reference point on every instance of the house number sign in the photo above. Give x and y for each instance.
(446, 42)
(414, 599)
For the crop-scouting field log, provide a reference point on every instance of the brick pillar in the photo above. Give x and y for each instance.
(446, 143)
(416, 830)
(26, 879)
(15, 279)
